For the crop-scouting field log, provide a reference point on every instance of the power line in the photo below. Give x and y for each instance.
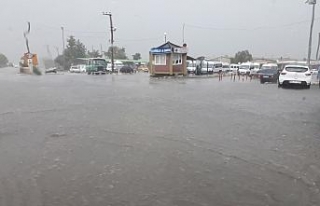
(248, 29)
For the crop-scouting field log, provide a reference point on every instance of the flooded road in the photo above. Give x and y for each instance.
(79, 140)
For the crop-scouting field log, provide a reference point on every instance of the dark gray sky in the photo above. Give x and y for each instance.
(267, 28)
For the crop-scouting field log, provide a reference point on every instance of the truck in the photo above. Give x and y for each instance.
(96, 66)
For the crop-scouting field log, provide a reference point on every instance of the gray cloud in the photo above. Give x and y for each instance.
(267, 28)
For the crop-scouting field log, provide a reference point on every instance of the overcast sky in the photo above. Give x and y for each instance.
(267, 28)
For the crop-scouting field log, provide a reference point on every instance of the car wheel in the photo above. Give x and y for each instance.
(261, 82)
(308, 86)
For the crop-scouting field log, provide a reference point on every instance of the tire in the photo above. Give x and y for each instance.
(261, 82)
(308, 86)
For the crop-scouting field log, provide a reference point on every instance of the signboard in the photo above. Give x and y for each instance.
(28, 55)
(180, 50)
(160, 51)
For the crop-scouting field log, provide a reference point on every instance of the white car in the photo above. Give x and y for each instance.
(117, 66)
(245, 68)
(81, 68)
(295, 75)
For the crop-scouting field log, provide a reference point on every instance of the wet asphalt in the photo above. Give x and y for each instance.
(126, 140)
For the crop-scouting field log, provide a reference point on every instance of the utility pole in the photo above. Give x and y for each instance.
(57, 50)
(101, 50)
(183, 27)
(317, 55)
(63, 43)
(313, 3)
(112, 40)
(165, 37)
(63, 48)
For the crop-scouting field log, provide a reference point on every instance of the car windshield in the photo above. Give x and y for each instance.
(210, 65)
(296, 69)
(190, 64)
(217, 65)
(244, 67)
(269, 67)
(99, 62)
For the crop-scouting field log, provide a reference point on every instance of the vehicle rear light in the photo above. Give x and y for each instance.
(308, 74)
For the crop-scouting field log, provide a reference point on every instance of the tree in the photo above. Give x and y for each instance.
(3, 60)
(242, 56)
(118, 53)
(60, 60)
(75, 49)
(136, 56)
(94, 54)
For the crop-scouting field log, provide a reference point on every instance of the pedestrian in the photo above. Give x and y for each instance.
(250, 74)
(220, 74)
(238, 72)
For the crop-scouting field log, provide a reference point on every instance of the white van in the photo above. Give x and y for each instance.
(234, 67)
(225, 67)
(217, 67)
(117, 66)
(207, 67)
(245, 68)
(191, 66)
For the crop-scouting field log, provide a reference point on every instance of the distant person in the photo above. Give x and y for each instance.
(251, 74)
(238, 73)
(220, 74)
(233, 75)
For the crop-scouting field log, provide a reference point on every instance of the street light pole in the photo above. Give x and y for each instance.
(63, 43)
(112, 30)
(183, 27)
(313, 3)
(63, 48)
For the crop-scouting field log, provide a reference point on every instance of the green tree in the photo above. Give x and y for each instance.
(94, 54)
(136, 56)
(242, 56)
(75, 49)
(3, 60)
(118, 53)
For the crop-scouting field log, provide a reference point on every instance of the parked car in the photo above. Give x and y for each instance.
(81, 68)
(268, 75)
(295, 75)
(226, 67)
(117, 66)
(265, 67)
(143, 69)
(234, 67)
(191, 66)
(126, 69)
(244, 68)
(51, 70)
(269, 66)
(207, 67)
(217, 66)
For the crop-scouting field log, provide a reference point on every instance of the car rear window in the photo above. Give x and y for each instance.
(268, 71)
(296, 69)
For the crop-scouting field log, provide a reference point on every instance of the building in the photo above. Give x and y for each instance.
(168, 59)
